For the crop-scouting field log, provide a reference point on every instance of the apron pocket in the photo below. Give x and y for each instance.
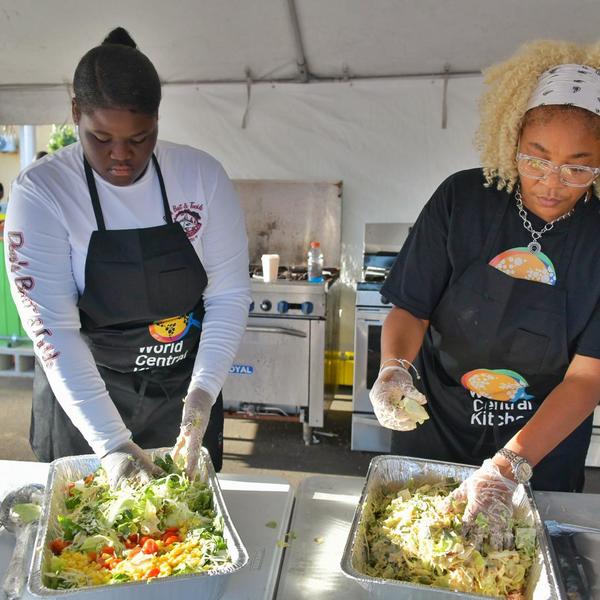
(173, 279)
(527, 351)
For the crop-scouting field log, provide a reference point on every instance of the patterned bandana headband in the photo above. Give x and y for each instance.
(575, 85)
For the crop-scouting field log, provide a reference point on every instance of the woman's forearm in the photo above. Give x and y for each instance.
(563, 410)
(402, 335)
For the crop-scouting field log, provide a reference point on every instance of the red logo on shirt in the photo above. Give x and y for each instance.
(189, 216)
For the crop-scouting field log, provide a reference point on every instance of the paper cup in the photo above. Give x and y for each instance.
(270, 266)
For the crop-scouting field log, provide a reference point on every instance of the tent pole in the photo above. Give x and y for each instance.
(344, 77)
(26, 145)
(300, 56)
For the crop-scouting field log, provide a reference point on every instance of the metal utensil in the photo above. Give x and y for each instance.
(15, 574)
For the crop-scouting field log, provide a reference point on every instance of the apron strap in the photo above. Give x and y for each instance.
(91, 183)
(93, 190)
(163, 191)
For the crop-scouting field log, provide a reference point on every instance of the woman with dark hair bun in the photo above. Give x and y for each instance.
(131, 308)
(117, 75)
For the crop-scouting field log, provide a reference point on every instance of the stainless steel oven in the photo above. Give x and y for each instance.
(367, 434)
(382, 242)
(278, 370)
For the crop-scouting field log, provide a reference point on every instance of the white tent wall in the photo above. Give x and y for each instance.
(382, 138)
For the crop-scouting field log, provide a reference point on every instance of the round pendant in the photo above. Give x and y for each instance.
(534, 247)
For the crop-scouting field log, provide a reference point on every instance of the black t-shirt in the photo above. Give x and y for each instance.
(450, 234)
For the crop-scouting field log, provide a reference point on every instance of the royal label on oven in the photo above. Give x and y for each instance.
(241, 369)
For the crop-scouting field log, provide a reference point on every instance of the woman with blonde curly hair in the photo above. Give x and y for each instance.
(496, 292)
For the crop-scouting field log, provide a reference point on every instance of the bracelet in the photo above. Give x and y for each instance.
(403, 363)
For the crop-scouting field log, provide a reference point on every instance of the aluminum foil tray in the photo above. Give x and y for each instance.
(207, 586)
(390, 473)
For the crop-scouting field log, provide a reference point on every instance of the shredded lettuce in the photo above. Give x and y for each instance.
(95, 517)
(28, 512)
(412, 536)
(415, 411)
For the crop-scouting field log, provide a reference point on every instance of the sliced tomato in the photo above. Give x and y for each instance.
(89, 479)
(134, 551)
(92, 556)
(149, 546)
(113, 562)
(134, 538)
(172, 539)
(108, 550)
(151, 573)
(58, 545)
(170, 532)
(144, 539)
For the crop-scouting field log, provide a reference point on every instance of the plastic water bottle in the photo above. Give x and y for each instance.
(315, 263)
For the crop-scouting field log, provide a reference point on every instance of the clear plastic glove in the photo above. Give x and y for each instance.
(196, 413)
(489, 510)
(129, 463)
(396, 401)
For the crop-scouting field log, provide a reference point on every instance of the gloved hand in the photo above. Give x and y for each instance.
(129, 463)
(396, 401)
(489, 509)
(196, 413)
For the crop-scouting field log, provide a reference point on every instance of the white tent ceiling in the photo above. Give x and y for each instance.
(383, 138)
(219, 40)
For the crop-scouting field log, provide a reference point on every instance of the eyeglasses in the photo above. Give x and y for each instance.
(571, 175)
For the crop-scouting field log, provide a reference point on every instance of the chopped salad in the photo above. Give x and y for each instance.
(165, 528)
(411, 536)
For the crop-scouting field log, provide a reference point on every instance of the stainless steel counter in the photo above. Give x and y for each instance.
(323, 512)
(252, 502)
(320, 521)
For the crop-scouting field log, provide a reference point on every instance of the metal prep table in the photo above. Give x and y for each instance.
(323, 512)
(252, 502)
(321, 518)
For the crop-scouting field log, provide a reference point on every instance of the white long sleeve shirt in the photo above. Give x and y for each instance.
(48, 226)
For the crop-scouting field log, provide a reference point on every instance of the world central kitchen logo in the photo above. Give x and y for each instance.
(241, 369)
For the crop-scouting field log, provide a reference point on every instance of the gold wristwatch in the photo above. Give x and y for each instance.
(520, 467)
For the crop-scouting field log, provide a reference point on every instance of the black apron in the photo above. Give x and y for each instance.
(512, 332)
(141, 315)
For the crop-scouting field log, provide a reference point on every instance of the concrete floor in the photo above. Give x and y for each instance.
(274, 448)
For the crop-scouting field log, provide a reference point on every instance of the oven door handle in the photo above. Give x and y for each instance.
(283, 330)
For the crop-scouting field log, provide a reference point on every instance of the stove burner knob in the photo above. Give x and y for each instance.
(282, 307)
(251, 306)
(265, 305)
(307, 308)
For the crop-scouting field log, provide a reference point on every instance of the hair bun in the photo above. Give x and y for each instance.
(119, 36)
